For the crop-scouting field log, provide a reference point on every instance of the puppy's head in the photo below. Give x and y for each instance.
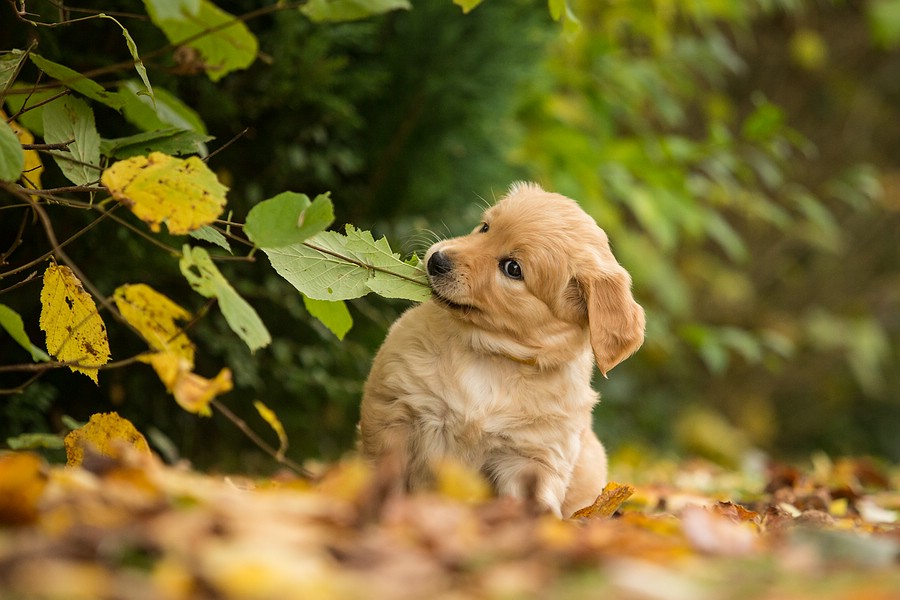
(538, 272)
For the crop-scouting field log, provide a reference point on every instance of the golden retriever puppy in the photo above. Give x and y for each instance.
(495, 370)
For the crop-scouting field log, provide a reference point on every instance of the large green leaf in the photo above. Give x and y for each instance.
(223, 42)
(331, 266)
(76, 81)
(12, 157)
(206, 279)
(288, 218)
(350, 10)
(72, 119)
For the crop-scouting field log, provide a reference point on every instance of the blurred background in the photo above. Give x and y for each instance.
(742, 156)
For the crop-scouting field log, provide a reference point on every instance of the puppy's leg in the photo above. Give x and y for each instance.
(589, 475)
(529, 479)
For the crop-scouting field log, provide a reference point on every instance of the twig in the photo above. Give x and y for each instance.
(59, 146)
(242, 425)
(233, 139)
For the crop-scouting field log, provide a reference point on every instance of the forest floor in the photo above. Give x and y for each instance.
(128, 526)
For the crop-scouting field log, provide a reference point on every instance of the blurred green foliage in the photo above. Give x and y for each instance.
(742, 157)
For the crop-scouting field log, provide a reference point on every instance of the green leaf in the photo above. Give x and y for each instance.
(173, 9)
(174, 142)
(34, 441)
(331, 266)
(333, 315)
(12, 157)
(206, 279)
(12, 323)
(138, 63)
(224, 43)
(288, 218)
(22, 96)
(168, 111)
(468, 5)
(210, 234)
(10, 65)
(320, 11)
(76, 81)
(884, 22)
(72, 119)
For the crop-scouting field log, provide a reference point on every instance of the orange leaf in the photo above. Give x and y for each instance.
(607, 503)
(22, 481)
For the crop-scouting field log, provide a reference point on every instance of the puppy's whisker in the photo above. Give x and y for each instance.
(420, 242)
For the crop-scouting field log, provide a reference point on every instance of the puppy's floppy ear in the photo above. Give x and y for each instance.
(615, 320)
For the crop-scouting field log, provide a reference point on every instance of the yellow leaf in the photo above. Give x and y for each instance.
(182, 193)
(34, 168)
(154, 316)
(607, 503)
(460, 482)
(105, 433)
(22, 482)
(272, 419)
(194, 393)
(69, 317)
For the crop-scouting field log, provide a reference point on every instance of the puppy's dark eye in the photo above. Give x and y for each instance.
(511, 268)
(484, 228)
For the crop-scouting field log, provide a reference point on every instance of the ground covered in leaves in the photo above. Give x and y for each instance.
(128, 526)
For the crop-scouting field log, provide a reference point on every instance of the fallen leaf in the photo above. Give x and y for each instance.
(22, 481)
(75, 331)
(607, 503)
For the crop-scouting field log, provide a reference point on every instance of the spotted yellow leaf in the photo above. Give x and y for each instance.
(106, 434)
(182, 193)
(155, 317)
(275, 423)
(75, 331)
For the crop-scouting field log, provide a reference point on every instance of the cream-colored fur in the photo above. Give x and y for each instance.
(494, 371)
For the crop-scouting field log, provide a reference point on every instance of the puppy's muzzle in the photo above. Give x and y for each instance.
(439, 264)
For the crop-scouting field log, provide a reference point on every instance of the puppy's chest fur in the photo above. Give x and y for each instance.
(479, 408)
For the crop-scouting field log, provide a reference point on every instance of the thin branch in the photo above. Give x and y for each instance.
(242, 425)
(25, 281)
(60, 146)
(69, 240)
(234, 138)
(21, 387)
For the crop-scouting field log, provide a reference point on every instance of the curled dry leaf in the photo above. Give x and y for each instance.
(607, 503)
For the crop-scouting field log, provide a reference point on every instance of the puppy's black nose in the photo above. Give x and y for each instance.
(439, 264)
